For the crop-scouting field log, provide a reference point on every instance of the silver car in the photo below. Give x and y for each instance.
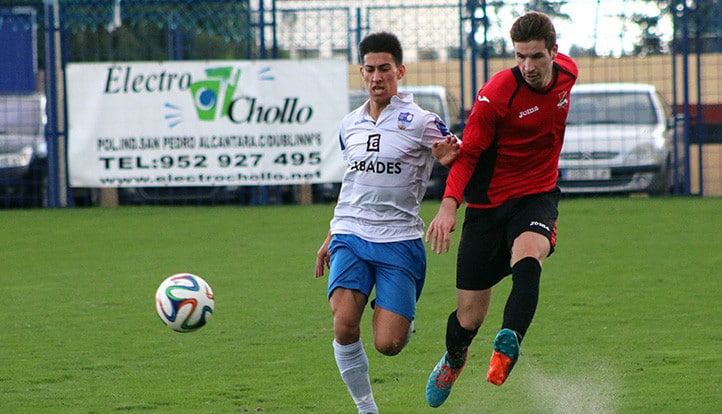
(619, 139)
(23, 151)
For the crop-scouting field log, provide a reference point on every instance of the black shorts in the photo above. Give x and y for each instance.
(488, 234)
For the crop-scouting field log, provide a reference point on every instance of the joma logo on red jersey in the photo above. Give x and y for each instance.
(529, 111)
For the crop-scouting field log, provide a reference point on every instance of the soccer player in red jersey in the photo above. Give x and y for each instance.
(507, 172)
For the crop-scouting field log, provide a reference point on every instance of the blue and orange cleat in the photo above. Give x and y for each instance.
(440, 381)
(506, 352)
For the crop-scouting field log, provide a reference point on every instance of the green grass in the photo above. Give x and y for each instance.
(629, 319)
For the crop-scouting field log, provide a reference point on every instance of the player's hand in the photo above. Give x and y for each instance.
(446, 150)
(442, 225)
(323, 258)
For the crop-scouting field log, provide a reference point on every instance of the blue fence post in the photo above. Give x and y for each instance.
(675, 97)
(472, 7)
(359, 31)
(460, 57)
(699, 120)
(51, 128)
(485, 50)
(685, 95)
(261, 194)
(274, 31)
(174, 37)
(685, 92)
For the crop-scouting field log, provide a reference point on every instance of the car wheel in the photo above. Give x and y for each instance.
(664, 181)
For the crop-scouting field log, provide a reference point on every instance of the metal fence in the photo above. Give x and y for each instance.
(455, 44)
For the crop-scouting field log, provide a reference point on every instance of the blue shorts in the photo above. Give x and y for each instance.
(398, 269)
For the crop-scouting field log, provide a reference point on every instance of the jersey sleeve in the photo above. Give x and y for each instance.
(342, 135)
(567, 64)
(434, 129)
(489, 107)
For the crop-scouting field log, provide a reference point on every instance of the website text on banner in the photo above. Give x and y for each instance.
(151, 124)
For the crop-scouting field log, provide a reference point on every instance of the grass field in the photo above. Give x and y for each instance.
(629, 319)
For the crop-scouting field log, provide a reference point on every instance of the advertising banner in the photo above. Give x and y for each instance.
(205, 123)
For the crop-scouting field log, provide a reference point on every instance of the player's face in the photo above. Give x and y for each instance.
(535, 62)
(381, 76)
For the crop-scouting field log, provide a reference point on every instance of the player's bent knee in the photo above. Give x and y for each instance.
(471, 323)
(390, 348)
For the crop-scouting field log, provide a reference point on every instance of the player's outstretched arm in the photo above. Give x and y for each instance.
(442, 225)
(322, 256)
(446, 150)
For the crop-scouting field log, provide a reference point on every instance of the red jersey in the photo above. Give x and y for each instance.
(513, 138)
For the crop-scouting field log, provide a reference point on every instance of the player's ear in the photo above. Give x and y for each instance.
(400, 71)
(555, 51)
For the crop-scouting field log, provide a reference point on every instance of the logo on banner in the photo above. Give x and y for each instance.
(213, 96)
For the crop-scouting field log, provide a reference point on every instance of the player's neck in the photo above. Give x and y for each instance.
(375, 109)
(549, 79)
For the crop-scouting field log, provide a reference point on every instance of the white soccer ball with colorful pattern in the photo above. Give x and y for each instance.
(184, 302)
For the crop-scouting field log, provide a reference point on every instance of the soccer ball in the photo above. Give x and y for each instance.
(184, 302)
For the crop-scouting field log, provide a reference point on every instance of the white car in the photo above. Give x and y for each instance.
(619, 139)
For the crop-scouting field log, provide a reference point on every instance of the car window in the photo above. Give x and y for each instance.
(630, 108)
(430, 103)
(20, 115)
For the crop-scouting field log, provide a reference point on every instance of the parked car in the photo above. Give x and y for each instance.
(433, 98)
(619, 139)
(23, 151)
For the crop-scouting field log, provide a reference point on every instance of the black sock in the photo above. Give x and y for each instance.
(521, 305)
(458, 340)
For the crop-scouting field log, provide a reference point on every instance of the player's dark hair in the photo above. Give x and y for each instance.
(534, 26)
(382, 42)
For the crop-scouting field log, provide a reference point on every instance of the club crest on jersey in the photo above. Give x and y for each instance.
(405, 119)
(563, 100)
(373, 143)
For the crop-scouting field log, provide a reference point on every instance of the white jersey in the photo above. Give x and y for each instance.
(389, 165)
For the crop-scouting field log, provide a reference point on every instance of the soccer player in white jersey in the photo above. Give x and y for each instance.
(375, 236)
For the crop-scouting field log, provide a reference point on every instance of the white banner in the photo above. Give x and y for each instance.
(214, 123)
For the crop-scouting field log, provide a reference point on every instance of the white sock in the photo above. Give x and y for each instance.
(354, 368)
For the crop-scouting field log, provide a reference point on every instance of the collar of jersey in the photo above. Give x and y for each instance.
(396, 100)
